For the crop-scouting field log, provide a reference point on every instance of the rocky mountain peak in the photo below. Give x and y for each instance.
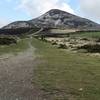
(56, 11)
(56, 18)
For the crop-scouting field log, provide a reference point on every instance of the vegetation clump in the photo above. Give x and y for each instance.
(54, 43)
(85, 39)
(92, 48)
(98, 40)
(7, 41)
(62, 46)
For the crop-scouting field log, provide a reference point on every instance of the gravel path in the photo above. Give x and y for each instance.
(16, 74)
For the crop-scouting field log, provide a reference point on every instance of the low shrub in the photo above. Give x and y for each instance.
(98, 40)
(85, 39)
(7, 41)
(54, 43)
(62, 46)
(92, 48)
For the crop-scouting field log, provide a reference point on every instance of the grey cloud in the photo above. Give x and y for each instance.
(90, 9)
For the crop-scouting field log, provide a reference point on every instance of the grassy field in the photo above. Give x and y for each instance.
(61, 31)
(65, 75)
(22, 43)
(87, 34)
(14, 48)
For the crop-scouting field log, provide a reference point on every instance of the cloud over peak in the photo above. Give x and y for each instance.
(38, 7)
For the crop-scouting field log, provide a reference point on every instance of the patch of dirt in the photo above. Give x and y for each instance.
(16, 74)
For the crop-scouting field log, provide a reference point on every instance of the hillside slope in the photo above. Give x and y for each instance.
(56, 19)
(18, 24)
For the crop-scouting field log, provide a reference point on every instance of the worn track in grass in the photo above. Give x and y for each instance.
(16, 74)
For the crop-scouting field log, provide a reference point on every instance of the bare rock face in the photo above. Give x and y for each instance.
(57, 19)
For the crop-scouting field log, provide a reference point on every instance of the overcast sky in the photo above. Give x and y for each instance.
(13, 10)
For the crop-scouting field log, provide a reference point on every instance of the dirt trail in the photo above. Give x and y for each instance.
(16, 74)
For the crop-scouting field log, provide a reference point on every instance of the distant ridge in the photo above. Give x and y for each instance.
(18, 24)
(56, 18)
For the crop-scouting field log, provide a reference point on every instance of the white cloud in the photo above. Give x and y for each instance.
(37, 7)
(90, 9)
(3, 22)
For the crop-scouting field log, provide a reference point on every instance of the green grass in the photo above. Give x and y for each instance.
(80, 34)
(14, 48)
(88, 34)
(61, 75)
